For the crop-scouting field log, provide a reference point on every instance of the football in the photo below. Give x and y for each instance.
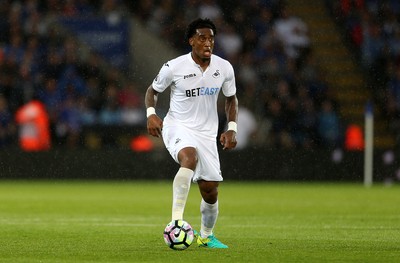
(178, 234)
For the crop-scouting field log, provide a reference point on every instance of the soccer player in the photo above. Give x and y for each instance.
(189, 130)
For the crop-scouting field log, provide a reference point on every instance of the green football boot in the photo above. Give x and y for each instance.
(209, 242)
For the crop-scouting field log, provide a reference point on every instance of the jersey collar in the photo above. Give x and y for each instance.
(194, 62)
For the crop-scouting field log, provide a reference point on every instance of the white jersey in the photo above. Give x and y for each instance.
(194, 93)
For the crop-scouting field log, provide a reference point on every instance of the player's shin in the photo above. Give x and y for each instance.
(181, 187)
(209, 214)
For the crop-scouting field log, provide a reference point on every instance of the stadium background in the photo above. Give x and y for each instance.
(90, 62)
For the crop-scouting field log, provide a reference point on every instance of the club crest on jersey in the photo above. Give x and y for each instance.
(216, 74)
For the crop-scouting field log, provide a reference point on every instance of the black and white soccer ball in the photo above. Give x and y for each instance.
(178, 234)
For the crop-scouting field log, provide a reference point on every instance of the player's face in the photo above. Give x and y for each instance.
(202, 43)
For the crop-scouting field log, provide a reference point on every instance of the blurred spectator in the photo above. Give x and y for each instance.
(130, 102)
(373, 45)
(51, 96)
(263, 23)
(53, 64)
(247, 72)
(35, 25)
(33, 121)
(293, 33)
(14, 51)
(313, 79)
(110, 113)
(329, 125)
(354, 138)
(270, 58)
(69, 123)
(23, 89)
(247, 128)
(161, 15)
(94, 96)
(7, 125)
(392, 106)
(229, 42)
(142, 143)
(393, 87)
(87, 115)
(306, 125)
(279, 135)
(8, 76)
(210, 9)
(113, 10)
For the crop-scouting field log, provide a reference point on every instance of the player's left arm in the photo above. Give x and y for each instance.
(228, 138)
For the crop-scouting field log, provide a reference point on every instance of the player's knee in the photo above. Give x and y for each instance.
(210, 197)
(209, 191)
(188, 158)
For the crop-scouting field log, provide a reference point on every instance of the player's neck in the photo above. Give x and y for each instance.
(202, 62)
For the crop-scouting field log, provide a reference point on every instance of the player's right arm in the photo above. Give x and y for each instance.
(160, 83)
(154, 123)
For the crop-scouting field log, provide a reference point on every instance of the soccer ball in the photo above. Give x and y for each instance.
(178, 234)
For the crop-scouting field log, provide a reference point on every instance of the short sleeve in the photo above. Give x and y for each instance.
(229, 85)
(164, 78)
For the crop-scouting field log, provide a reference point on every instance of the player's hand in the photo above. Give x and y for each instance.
(154, 125)
(228, 140)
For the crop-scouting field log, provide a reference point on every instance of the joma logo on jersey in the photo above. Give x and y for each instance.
(202, 91)
(189, 76)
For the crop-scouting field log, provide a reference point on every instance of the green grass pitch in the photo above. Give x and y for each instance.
(97, 221)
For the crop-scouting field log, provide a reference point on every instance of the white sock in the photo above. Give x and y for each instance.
(180, 191)
(209, 214)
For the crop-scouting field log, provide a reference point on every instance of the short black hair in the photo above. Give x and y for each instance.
(199, 23)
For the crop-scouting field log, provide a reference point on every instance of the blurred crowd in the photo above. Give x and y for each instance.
(285, 101)
(373, 28)
(277, 76)
(38, 63)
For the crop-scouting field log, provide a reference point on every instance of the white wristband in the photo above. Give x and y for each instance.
(232, 126)
(150, 111)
